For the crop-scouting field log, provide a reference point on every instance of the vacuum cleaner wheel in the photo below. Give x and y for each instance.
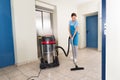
(42, 66)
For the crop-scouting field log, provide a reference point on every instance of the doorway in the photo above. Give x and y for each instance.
(92, 31)
(44, 25)
(6, 35)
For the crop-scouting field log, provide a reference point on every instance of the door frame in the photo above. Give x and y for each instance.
(53, 16)
(92, 14)
(99, 28)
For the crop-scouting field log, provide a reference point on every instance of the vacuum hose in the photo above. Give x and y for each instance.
(66, 54)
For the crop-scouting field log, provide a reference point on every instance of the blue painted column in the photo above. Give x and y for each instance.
(6, 35)
(103, 40)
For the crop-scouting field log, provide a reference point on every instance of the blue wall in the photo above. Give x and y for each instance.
(6, 36)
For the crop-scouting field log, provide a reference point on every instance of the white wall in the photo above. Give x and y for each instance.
(23, 12)
(113, 40)
(24, 29)
(86, 9)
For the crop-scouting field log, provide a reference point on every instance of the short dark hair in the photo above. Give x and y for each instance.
(73, 14)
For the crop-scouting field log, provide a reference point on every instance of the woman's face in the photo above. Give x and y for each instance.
(73, 18)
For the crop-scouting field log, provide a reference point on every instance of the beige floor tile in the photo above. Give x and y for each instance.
(2, 72)
(10, 69)
(13, 74)
(4, 77)
(24, 68)
(30, 73)
(19, 77)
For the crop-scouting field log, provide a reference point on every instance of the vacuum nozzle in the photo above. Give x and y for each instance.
(77, 68)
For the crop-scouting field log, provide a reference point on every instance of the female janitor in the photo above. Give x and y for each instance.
(74, 35)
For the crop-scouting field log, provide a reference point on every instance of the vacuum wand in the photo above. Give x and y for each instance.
(66, 54)
(76, 66)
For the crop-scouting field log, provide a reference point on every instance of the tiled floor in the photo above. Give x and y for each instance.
(89, 58)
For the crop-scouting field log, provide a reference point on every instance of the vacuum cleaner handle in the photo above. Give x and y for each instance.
(73, 52)
(66, 54)
(76, 66)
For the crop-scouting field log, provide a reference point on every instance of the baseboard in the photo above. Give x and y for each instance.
(26, 62)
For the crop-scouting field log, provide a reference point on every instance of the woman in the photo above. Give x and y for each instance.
(73, 32)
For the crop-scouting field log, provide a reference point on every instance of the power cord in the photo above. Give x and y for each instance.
(32, 77)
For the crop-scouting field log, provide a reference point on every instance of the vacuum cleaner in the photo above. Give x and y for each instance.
(49, 55)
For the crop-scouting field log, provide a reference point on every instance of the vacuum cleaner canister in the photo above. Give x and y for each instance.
(49, 57)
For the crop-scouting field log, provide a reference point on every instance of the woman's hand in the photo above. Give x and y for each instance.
(70, 36)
